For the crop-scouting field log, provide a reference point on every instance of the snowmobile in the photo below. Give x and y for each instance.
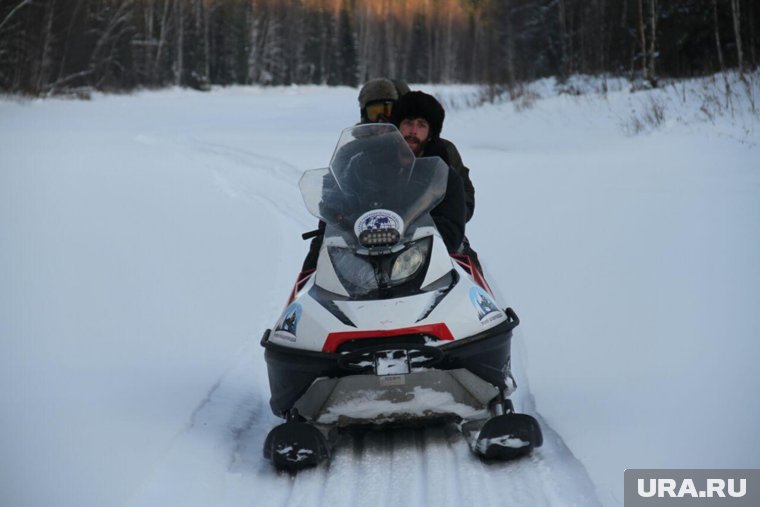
(389, 329)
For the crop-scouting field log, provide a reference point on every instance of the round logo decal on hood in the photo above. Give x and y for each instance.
(377, 220)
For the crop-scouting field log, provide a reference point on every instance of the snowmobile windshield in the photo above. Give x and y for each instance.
(375, 186)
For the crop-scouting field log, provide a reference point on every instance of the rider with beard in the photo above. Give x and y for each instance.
(419, 117)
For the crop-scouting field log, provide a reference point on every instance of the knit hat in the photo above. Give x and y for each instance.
(377, 89)
(420, 105)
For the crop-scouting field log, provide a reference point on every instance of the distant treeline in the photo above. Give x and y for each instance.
(54, 46)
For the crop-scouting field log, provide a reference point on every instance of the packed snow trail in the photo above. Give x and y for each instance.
(217, 460)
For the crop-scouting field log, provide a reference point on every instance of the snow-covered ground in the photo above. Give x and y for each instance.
(146, 242)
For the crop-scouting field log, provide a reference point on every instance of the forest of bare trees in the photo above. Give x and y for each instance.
(58, 46)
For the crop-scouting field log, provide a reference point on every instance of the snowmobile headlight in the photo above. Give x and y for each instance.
(407, 263)
(379, 237)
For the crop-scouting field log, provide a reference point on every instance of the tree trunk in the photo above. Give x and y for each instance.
(68, 36)
(180, 27)
(163, 34)
(652, 43)
(147, 52)
(43, 78)
(738, 35)
(564, 57)
(510, 47)
(752, 40)
(716, 32)
(643, 40)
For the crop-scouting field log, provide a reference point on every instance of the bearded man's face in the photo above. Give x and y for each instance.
(416, 132)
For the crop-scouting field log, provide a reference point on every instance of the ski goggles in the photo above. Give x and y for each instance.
(379, 110)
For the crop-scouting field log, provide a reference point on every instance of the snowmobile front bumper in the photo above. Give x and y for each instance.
(485, 356)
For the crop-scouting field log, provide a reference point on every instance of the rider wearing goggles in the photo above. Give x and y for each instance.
(379, 110)
(376, 100)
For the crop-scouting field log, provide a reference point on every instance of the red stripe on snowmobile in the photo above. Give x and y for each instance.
(303, 277)
(466, 262)
(335, 340)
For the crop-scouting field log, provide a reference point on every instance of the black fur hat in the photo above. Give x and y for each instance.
(420, 105)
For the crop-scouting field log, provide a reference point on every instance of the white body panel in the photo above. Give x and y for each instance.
(457, 309)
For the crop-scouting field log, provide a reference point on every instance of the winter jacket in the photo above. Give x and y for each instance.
(455, 161)
(450, 215)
